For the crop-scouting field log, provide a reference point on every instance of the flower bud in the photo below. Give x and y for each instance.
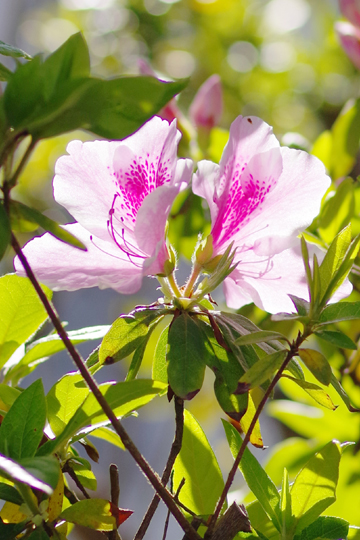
(204, 251)
(206, 108)
(349, 36)
(351, 10)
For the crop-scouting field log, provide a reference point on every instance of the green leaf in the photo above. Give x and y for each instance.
(9, 531)
(38, 534)
(317, 393)
(339, 389)
(122, 397)
(38, 473)
(23, 95)
(285, 507)
(255, 476)
(21, 313)
(22, 428)
(10, 494)
(338, 211)
(64, 399)
(260, 522)
(109, 435)
(21, 211)
(185, 357)
(92, 513)
(5, 230)
(126, 334)
(120, 106)
(346, 135)
(327, 527)
(259, 337)
(322, 148)
(317, 364)
(263, 369)
(301, 305)
(70, 61)
(197, 463)
(39, 350)
(139, 355)
(334, 257)
(14, 52)
(342, 311)
(5, 73)
(86, 476)
(343, 270)
(159, 367)
(233, 404)
(314, 487)
(337, 338)
(7, 397)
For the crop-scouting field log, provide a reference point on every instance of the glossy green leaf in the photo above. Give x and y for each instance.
(9, 493)
(346, 135)
(285, 507)
(197, 463)
(8, 395)
(5, 230)
(317, 364)
(64, 399)
(339, 389)
(9, 531)
(315, 485)
(264, 336)
(38, 473)
(123, 398)
(109, 435)
(260, 522)
(22, 428)
(85, 476)
(342, 272)
(322, 148)
(233, 404)
(185, 356)
(334, 257)
(47, 346)
(19, 210)
(159, 367)
(21, 313)
(338, 211)
(301, 305)
(327, 527)
(138, 356)
(263, 369)
(337, 338)
(70, 61)
(126, 334)
(92, 513)
(342, 311)
(23, 94)
(14, 52)
(255, 476)
(315, 391)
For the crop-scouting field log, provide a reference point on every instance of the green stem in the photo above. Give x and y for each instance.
(174, 285)
(27, 495)
(192, 280)
(13, 180)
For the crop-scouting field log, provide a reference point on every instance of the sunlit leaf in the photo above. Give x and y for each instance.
(327, 527)
(315, 391)
(198, 465)
(38, 473)
(264, 336)
(95, 514)
(317, 364)
(346, 136)
(14, 52)
(337, 338)
(5, 230)
(263, 369)
(342, 311)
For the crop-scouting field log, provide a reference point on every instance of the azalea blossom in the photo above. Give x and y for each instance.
(351, 10)
(261, 196)
(349, 36)
(206, 109)
(120, 193)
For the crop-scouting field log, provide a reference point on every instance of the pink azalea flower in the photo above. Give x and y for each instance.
(261, 197)
(120, 193)
(349, 36)
(206, 108)
(351, 10)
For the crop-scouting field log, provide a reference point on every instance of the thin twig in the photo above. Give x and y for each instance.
(168, 513)
(291, 353)
(151, 475)
(174, 451)
(68, 469)
(115, 493)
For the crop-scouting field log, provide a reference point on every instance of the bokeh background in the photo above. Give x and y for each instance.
(277, 59)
